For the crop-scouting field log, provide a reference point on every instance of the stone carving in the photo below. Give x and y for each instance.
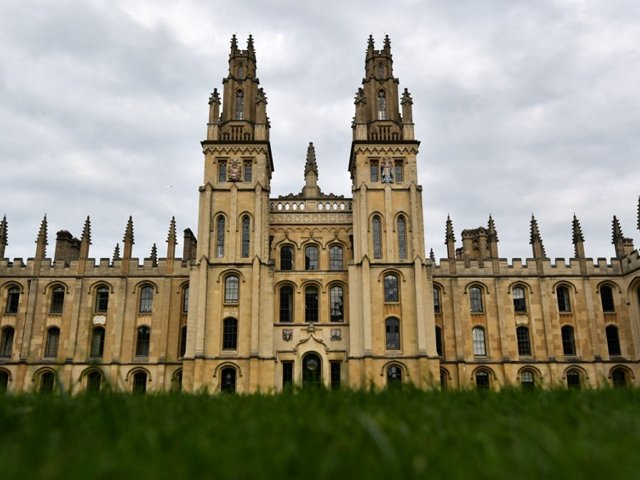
(335, 335)
(287, 334)
(234, 170)
(387, 169)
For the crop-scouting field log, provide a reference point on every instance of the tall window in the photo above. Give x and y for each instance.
(287, 373)
(391, 293)
(564, 302)
(185, 299)
(228, 380)
(247, 171)
(483, 381)
(475, 297)
(4, 381)
(220, 226)
(398, 171)
(606, 297)
(143, 339)
(335, 304)
(376, 231)
(573, 379)
(286, 258)
(97, 342)
(222, 170)
(524, 343)
(183, 341)
(392, 330)
(146, 299)
(519, 302)
(94, 379)
(311, 304)
(51, 344)
(374, 170)
(47, 382)
(57, 300)
(335, 258)
(239, 111)
(613, 340)
(335, 374)
(479, 344)
(139, 382)
(439, 340)
(436, 300)
(6, 342)
(13, 300)
(102, 300)
(402, 238)
(568, 340)
(286, 304)
(246, 231)
(231, 289)
(230, 334)
(382, 105)
(311, 258)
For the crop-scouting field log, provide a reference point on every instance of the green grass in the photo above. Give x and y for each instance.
(408, 434)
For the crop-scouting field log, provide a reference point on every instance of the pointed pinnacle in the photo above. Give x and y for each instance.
(154, 254)
(432, 256)
(576, 230)
(638, 223)
(128, 233)
(387, 43)
(4, 228)
(491, 227)
(86, 231)
(535, 232)
(215, 97)
(116, 252)
(311, 166)
(42, 233)
(406, 98)
(617, 230)
(234, 43)
(370, 44)
(449, 235)
(250, 43)
(171, 238)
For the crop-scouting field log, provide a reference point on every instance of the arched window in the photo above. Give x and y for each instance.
(335, 258)
(311, 371)
(336, 304)
(394, 376)
(606, 297)
(47, 382)
(146, 299)
(613, 340)
(51, 344)
(183, 341)
(176, 381)
(232, 289)
(239, 111)
(140, 382)
(392, 330)
(185, 299)
(382, 105)
(443, 379)
(246, 236)
(94, 379)
(519, 301)
(475, 297)
(143, 339)
(97, 342)
(6, 342)
(564, 301)
(286, 303)
(391, 290)
(311, 258)
(102, 300)
(483, 380)
(439, 340)
(527, 379)
(220, 226)
(479, 344)
(57, 300)
(228, 380)
(311, 304)
(437, 308)
(230, 334)
(568, 340)
(376, 231)
(13, 300)
(286, 258)
(574, 379)
(619, 377)
(524, 343)
(402, 238)
(4, 381)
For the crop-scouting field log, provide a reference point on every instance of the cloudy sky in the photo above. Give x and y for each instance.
(522, 107)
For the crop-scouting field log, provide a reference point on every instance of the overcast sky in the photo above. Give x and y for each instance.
(521, 107)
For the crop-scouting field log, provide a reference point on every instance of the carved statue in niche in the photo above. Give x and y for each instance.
(234, 170)
(387, 169)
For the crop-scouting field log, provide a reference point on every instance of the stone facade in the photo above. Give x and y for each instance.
(313, 288)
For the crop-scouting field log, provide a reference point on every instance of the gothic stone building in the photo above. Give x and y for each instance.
(313, 288)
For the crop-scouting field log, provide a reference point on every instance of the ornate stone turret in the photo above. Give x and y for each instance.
(536, 240)
(41, 241)
(3, 235)
(578, 238)
(172, 240)
(85, 239)
(492, 238)
(116, 252)
(623, 246)
(450, 239)
(128, 239)
(154, 255)
(311, 189)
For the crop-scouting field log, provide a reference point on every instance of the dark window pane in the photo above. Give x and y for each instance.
(439, 340)
(142, 341)
(402, 238)
(391, 294)
(286, 258)
(228, 380)
(606, 296)
(286, 304)
(475, 295)
(564, 303)
(246, 231)
(97, 342)
(613, 340)
(376, 231)
(568, 341)
(220, 226)
(287, 373)
(335, 374)
(336, 305)
(311, 304)
(374, 170)
(232, 289)
(183, 341)
(51, 346)
(482, 380)
(230, 334)
(57, 300)
(436, 300)
(394, 377)
(524, 344)
(13, 300)
(573, 379)
(146, 299)
(102, 300)
(6, 342)
(139, 382)
(311, 258)
(519, 302)
(392, 327)
(248, 164)
(335, 258)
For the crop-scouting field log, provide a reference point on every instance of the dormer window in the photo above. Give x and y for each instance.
(239, 110)
(382, 105)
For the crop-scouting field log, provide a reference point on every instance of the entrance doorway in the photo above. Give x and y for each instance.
(311, 370)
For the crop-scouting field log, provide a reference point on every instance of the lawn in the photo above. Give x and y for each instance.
(319, 434)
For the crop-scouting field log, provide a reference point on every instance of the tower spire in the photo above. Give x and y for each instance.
(492, 238)
(41, 241)
(154, 255)
(536, 240)
(577, 237)
(450, 239)
(234, 45)
(3, 235)
(128, 239)
(85, 240)
(172, 240)
(311, 189)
